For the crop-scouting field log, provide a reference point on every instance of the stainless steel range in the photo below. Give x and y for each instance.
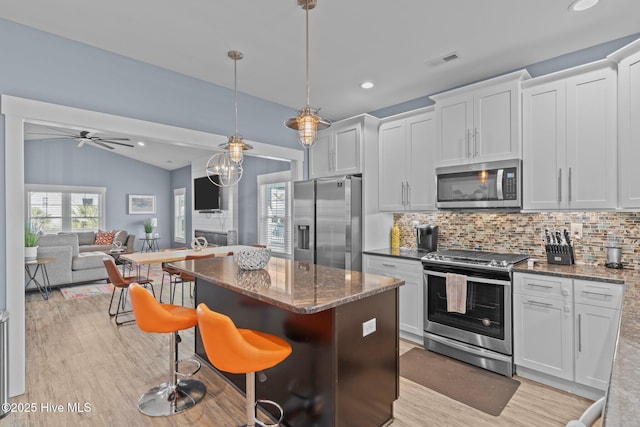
(468, 307)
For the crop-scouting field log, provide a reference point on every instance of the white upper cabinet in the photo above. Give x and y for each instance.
(570, 139)
(407, 158)
(480, 122)
(628, 59)
(339, 149)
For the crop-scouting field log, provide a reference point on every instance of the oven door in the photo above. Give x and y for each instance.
(487, 321)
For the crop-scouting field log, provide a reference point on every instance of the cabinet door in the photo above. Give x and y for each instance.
(629, 128)
(495, 126)
(392, 146)
(596, 331)
(421, 160)
(454, 117)
(544, 136)
(320, 155)
(347, 150)
(543, 335)
(411, 293)
(592, 141)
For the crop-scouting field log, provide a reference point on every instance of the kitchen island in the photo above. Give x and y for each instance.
(342, 326)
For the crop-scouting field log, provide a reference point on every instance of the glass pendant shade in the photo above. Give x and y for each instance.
(236, 146)
(307, 123)
(229, 172)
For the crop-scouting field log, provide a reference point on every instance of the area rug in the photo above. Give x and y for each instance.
(83, 291)
(476, 387)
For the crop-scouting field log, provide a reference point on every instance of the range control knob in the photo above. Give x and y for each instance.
(493, 263)
(504, 263)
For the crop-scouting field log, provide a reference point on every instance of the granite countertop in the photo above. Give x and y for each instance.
(406, 253)
(623, 399)
(299, 287)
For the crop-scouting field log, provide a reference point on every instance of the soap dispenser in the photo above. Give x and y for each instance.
(395, 237)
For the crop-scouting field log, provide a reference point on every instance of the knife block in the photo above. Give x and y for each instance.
(555, 254)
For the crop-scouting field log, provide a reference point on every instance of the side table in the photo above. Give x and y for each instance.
(40, 265)
(149, 244)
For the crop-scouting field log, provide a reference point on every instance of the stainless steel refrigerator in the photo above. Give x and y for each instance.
(327, 222)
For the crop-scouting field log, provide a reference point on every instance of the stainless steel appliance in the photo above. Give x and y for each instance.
(480, 185)
(482, 335)
(327, 222)
(427, 237)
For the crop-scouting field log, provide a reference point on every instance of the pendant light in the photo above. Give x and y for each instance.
(236, 145)
(307, 123)
(222, 171)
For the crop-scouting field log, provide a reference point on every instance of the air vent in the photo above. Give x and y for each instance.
(451, 56)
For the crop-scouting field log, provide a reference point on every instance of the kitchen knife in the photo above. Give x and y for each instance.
(567, 236)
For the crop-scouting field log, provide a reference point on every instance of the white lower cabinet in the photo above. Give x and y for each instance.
(411, 293)
(543, 324)
(565, 331)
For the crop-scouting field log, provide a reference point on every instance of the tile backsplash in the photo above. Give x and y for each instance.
(524, 232)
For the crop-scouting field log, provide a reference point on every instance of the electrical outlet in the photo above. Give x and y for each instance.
(576, 230)
(415, 224)
(368, 327)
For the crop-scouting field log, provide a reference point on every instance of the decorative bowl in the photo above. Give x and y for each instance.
(252, 259)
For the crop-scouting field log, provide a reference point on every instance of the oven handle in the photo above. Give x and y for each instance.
(475, 279)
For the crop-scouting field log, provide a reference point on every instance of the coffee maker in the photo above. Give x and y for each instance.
(427, 237)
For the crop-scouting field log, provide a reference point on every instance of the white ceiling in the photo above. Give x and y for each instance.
(387, 42)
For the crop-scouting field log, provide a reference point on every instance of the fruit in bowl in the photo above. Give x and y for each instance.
(252, 259)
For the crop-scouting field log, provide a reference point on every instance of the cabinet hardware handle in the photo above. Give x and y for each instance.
(569, 185)
(597, 293)
(579, 333)
(539, 286)
(542, 304)
(468, 143)
(403, 194)
(408, 194)
(389, 265)
(475, 141)
(559, 185)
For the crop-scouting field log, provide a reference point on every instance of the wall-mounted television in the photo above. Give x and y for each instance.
(207, 196)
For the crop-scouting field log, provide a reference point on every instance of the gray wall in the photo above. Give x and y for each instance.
(62, 163)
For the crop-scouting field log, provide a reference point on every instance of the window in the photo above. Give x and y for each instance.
(179, 218)
(55, 208)
(274, 211)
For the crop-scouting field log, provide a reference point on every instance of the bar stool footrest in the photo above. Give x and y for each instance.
(194, 362)
(272, 403)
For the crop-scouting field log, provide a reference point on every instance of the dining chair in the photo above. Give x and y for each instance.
(170, 272)
(122, 283)
(182, 277)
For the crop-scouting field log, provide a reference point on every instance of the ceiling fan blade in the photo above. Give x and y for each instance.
(45, 138)
(105, 138)
(114, 142)
(102, 144)
(61, 132)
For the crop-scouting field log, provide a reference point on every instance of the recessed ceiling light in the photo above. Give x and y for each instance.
(580, 5)
(141, 144)
(366, 85)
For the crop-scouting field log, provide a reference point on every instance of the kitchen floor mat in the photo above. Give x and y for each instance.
(476, 387)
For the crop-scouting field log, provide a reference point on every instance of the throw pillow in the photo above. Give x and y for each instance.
(105, 237)
(121, 236)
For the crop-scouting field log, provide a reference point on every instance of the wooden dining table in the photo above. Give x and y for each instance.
(147, 258)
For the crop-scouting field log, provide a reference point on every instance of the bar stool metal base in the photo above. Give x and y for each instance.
(164, 400)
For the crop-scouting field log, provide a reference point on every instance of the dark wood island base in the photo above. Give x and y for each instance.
(344, 367)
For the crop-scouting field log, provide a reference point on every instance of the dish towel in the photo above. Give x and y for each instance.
(456, 293)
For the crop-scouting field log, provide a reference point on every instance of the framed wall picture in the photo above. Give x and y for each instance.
(142, 204)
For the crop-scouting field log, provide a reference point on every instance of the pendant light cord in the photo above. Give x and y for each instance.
(235, 90)
(307, 59)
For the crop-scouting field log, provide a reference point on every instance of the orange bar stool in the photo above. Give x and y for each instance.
(175, 395)
(241, 351)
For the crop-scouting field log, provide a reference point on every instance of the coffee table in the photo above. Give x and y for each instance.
(40, 265)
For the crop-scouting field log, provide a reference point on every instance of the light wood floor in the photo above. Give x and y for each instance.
(76, 354)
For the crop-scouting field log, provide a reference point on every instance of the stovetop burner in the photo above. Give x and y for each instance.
(490, 260)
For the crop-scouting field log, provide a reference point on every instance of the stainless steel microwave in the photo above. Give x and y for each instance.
(480, 185)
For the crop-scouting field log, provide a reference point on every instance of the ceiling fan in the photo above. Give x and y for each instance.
(85, 136)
